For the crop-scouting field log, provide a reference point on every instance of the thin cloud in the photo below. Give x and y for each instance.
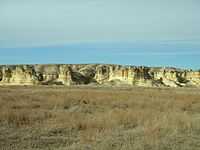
(159, 53)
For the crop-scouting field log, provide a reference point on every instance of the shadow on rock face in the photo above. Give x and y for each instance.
(78, 78)
(1, 75)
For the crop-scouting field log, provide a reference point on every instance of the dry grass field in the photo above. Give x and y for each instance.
(86, 118)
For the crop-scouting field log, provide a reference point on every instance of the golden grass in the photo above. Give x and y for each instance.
(99, 118)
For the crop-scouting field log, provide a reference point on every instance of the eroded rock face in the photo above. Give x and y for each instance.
(98, 74)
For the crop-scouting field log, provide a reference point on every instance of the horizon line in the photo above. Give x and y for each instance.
(128, 65)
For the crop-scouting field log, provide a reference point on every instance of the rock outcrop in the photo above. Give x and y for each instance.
(97, 74)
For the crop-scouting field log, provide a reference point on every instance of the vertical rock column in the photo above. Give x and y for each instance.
(193, 77)
(65, 75)
(102, 74)
(131, 75)
(22, 75)
(7, 74)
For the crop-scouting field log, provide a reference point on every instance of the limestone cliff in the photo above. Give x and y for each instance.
(115, 75)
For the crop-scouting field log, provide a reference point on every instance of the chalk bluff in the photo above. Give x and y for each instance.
(98, 74)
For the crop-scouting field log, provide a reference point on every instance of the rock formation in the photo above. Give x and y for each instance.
(98, 74)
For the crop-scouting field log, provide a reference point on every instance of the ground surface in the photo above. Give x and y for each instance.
(61, 118)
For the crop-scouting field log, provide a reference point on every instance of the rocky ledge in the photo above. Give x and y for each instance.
(98, 74)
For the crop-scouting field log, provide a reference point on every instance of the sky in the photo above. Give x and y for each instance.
(133, 32)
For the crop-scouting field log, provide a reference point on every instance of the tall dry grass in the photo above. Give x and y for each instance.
(104, 118)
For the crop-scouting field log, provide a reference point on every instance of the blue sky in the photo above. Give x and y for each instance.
(138, 32)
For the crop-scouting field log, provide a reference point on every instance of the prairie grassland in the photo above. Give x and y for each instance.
(85, 118)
